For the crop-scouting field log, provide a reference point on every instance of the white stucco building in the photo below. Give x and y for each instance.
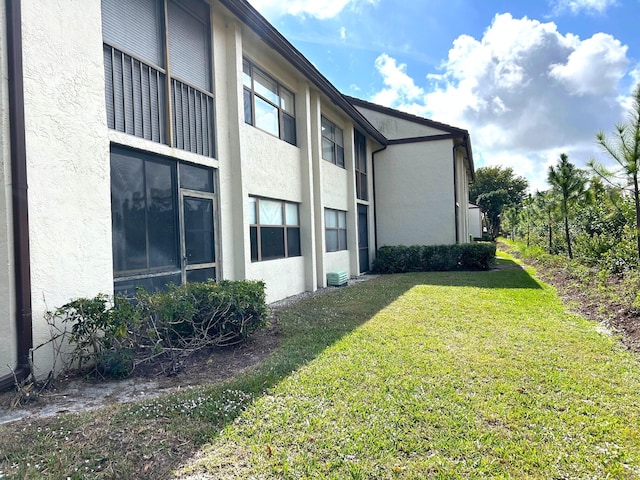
(162, 141)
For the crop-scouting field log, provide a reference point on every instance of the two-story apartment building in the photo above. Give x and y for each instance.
(159, 141)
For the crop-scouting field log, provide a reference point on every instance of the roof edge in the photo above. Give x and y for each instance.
(404, 115)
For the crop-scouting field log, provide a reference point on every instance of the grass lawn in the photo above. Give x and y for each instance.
(433, 375)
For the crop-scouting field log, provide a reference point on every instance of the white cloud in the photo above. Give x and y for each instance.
(321, 10)
(399, 87)
(343, 33)
(579, 74)
(525, 92)
(578, 6)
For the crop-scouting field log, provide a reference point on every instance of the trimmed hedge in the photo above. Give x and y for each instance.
(429, 258)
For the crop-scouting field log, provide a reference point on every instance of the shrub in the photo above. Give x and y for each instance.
(168, 325)
(424, 258)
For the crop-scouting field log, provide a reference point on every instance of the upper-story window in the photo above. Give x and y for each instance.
(360, 144)
(152, 47)
(332, 143)
(267, 104)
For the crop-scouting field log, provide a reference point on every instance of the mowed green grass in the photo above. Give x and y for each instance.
(414, 376)
(454, 375)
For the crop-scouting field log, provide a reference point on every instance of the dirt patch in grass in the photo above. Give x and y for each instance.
(77, 393)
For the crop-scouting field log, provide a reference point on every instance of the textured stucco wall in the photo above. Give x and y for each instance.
(394, 128)
(414, 194)
(67, 156)
(7, 302)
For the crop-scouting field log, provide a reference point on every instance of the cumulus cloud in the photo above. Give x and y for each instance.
(303, 8)
(578, 6)
(525, 91)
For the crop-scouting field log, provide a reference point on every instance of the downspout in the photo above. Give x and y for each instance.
(375, 210)
(19, 195)
(456, 206)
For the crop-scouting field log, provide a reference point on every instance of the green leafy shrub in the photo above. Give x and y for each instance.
(424, 258)
(116, 338)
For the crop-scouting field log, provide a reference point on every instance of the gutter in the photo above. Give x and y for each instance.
(19, 195)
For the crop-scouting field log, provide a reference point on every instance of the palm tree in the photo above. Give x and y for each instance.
(568, 181)
(624, 148)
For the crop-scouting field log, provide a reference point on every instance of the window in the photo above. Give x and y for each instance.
(335, 229)
(162, 215)
(139, 38)
(274, 229)
(267, 104)
(361, 166)
(332, 143)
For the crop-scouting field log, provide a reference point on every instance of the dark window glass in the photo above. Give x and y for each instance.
(150, 284)
(201, 275)
(253, 234)
(288, 129)
(196, 178)
(128, 213)
(272, 242)
(143, 216)
(361, 166)
(293, 242)
(161, 215)
(146, 220)
(198, 230)
(340, 157)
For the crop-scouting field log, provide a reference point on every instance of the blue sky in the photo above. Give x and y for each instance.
(528, 79)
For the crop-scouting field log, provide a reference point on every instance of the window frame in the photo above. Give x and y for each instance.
(286, 116)
(360, 167)
(338, 228)
(331, 136)
(182, 187)
(288, 229)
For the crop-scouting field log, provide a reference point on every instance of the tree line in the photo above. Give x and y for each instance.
(591, 215)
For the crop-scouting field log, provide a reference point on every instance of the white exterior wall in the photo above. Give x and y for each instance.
(67, 156)
(8, 349)
(475, 221)
(462, 196)
(394, 128)
(414, 194)
(272, 168)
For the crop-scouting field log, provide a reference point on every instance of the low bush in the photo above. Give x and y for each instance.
(426, 258)
(166, 327)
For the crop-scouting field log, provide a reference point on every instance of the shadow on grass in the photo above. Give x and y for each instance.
(306, 329)
(505, 274)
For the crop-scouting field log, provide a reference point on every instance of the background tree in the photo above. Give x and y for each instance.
(624, 148)
(494, 189)
(545, 206)
(569, 183)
